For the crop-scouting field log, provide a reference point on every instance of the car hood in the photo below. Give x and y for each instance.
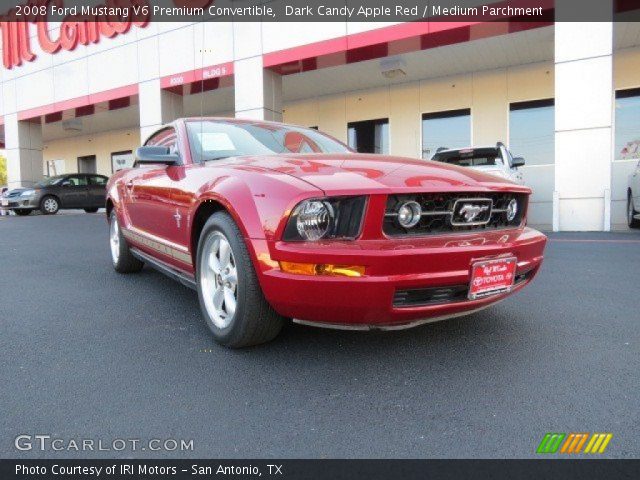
(17, 191)
(342, 174)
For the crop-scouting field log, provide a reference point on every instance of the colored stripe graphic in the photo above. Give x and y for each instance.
(573, 443)
(550, 443)
(598, 443)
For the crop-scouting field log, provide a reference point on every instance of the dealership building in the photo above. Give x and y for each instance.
(565, 96)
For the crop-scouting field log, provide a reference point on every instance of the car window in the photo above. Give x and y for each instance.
(470, 159)
(77, 181)
(45, 182)
(98, 180)
(216, 139)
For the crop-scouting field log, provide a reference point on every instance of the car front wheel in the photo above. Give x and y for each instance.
(230, 297)
(121, 257)
(49, 205)
(631, 213)
(91, 210)
(22, 213)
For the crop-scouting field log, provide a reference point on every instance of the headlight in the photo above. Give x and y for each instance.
(27, 193)
(325, 218)
(314, 218)
(512, 209)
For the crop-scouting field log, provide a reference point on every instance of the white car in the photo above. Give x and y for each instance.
(496, 160)
(633, 199)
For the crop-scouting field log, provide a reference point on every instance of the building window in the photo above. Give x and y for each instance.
(120, 160)
(370, 136)
(532, 131)
(627, 124)
(444, 130)
(87, 164)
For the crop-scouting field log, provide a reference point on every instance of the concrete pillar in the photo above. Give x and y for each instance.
(258, 92)
(157, 107)
(23, 142)
(584, 99)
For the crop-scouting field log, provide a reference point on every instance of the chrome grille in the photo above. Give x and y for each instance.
(443, 212)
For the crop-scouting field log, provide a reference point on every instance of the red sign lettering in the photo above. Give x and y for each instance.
(74, 29)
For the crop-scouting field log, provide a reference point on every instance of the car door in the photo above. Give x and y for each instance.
(74, 191)
(148, 192)
(97, 190)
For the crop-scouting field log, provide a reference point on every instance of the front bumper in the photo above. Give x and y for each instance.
(19, 203)
(392, 266)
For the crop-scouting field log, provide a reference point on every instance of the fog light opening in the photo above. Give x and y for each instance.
(512, 210)
(409, 214)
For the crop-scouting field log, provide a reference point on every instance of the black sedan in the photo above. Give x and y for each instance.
(77, 190)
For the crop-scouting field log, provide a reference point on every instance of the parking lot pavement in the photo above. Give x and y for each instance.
(73, 211)
(89, 353)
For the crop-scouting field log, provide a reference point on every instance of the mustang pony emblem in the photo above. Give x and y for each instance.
(470, 212)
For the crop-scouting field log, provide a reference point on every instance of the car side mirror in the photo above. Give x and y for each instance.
(154, 155)
(518, 162)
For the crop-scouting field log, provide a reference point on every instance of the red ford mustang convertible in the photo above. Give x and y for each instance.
(269, 222)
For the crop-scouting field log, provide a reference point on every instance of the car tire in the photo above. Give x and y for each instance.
(22, 213)
(250, 320)
(121, 258)
(631, 212)
(91, 210)
(49, 205)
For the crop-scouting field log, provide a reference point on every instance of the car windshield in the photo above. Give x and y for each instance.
(215, 139)
(46, 181)
(470, 158)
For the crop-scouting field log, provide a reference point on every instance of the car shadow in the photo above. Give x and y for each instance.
(480, 341)
(293, 334)
(462, 333)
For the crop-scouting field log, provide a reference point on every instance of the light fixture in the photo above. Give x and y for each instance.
(392, 67)
(409, 214)
(314, 218)
(72, 124)
(322, 269)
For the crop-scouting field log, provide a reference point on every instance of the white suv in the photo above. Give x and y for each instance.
(495, 160)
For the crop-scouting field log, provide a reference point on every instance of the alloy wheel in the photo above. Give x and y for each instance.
(219, 280)
(114, 240)
(50, 205)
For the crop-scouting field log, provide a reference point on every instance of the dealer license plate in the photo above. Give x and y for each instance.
(5, 202)
(491, 277)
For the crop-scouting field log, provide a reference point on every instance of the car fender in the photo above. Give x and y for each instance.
(114, 194)
(259, 205)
